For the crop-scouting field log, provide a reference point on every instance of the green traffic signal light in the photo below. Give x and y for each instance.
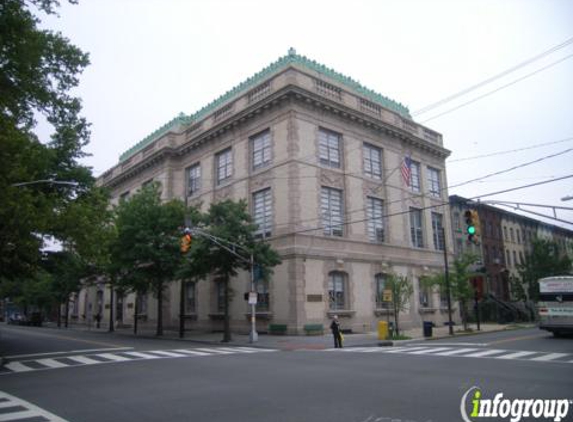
(471, 230)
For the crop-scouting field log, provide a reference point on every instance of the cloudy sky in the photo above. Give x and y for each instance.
(152, 59)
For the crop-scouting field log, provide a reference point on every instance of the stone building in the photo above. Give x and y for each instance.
(320, 160)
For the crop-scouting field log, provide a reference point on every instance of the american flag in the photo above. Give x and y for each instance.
(406, 170)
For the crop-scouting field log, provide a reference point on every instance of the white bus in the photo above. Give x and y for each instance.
(556, 305)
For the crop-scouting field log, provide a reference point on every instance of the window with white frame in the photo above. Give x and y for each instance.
(424, 295)
(261, 149)
(444, 297)
(190, 297)
(437, 226)
(329, 148)
(332, 211)
(193, 179)
(141, 304)
(224, 163)
(434, 186)
(380, 286)
(262, 289)
(337, 290)
(375, 215)
(263, 213)
(415, 176)
(372, 161)
(416, 232)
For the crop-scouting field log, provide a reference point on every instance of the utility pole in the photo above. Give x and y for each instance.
(447, 277)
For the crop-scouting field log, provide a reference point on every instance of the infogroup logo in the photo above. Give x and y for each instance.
(513, 409)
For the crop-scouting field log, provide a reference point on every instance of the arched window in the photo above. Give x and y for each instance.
(337, 290)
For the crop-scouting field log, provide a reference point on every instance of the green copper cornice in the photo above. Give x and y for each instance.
(290, 59)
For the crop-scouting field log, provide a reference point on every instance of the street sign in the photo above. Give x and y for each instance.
(252, 298)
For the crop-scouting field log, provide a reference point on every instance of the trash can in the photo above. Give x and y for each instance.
(428, 328)
(382, 330)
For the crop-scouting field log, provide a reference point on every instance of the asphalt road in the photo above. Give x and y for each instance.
(175, 381)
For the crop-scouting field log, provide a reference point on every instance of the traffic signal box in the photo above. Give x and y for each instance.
(473, 229)
(185, 242)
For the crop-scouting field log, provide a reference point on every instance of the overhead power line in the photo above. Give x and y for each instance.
(509, 151)
(498, 89)
(491, 79)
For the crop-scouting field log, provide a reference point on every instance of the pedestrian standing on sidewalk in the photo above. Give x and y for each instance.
(335, 328)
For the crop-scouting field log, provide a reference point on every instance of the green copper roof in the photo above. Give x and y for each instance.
(280, 64)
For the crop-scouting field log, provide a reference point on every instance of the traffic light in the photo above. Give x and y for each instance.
(472, 226)
(185, 242)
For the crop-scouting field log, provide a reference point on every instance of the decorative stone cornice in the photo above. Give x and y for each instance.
(290, 59)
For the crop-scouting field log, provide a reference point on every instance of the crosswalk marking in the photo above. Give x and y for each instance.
(550, 356)
(466, 352)
(486, 353)
(83, 360)
(142, 355)
(51, 363)
(455, 352)
(112, 357)
(23, 410)
(120, 356)
(516, 355)
(18, 367)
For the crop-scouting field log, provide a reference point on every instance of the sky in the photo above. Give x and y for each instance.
(152, 59)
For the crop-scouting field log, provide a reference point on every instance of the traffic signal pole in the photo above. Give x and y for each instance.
(253, 335)
(447, 277)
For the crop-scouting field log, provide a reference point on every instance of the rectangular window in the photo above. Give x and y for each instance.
(415, 176)
(424, 295)
(336, 291)
(437, 226)
(375, 214)
(263, 213)
(515, 263)
(261, 149)
(193, 179)
(329, 148)
(332, 212)
(434, 186)
(262, 289)
(224, 163)
(190, 295)
(220, 286)
(142, 304)
(372, 161)
(508, 258)
(457, 221)
(380, 281)
(416, 233)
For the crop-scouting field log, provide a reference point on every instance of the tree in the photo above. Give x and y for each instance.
(402, 290)
(147, 246)
(461, 288)
(38, 69)
(545, 260)
(226, 248)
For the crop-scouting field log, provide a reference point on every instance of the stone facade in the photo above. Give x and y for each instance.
(324, 156)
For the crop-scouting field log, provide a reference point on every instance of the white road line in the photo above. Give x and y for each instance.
(21, 414)
(6, 404)
(515, 355)
(192, 352)
(549, 357)
(51, 363)
(169, 354)
(142, 355)
(112, 357)
(435, 349)
(254, 349)
(406, 349)
(32, 410)
(486, 353)
(37, 355)
(215, 351)
(455, 352)
(18, 367)
(83, 360)
(435, 343)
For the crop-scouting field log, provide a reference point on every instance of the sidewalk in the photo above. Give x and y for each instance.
(285, 342)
